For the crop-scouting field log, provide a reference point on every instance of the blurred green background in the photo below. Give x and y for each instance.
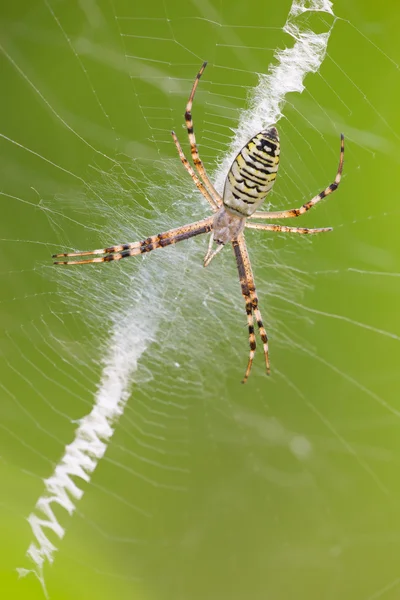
(283, 488)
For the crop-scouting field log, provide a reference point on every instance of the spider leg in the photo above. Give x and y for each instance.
(249, 309)
(151, 243)
(285, 229)
(212, 202)
(251, 299)
(209, 250)
(211, 254)
(198, 163)
(296, 212)
(254, 299)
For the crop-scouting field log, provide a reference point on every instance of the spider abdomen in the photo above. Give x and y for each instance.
(252, 173)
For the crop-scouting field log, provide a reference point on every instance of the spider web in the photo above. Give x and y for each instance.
(133, 462)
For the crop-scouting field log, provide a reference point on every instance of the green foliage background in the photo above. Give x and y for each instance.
(256, 522)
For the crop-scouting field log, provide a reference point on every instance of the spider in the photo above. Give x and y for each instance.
(247, 184)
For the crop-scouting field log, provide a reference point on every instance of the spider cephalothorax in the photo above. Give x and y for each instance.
(227, 226)
(248, 182)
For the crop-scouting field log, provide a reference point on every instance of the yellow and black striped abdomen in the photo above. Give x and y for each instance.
(252, 173)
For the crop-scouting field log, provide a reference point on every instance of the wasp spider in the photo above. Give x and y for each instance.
(248, 182)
